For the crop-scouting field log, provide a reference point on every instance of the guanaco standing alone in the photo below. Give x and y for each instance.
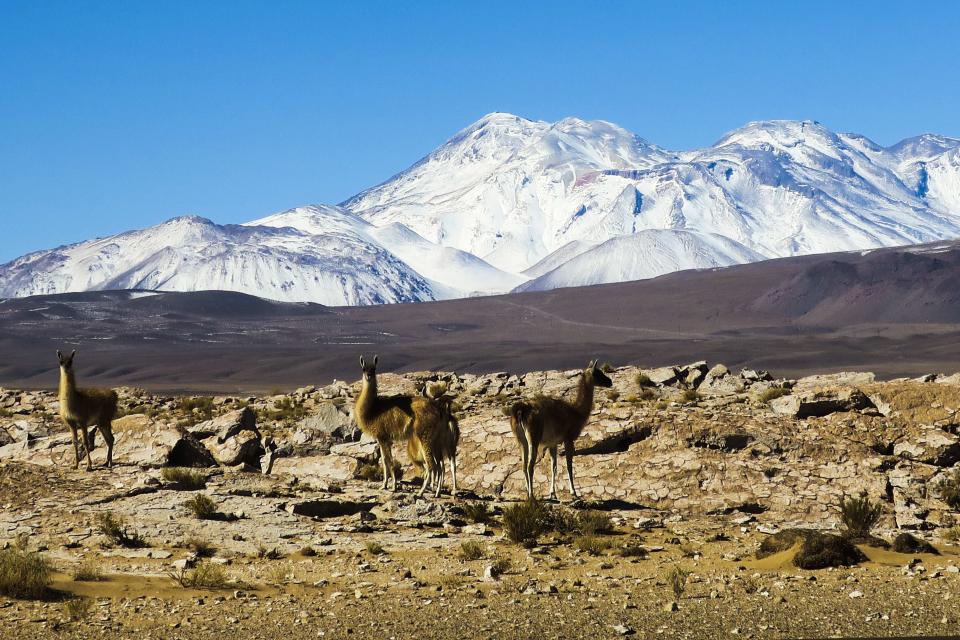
(387, 419)
(80, 408)
(548, 422)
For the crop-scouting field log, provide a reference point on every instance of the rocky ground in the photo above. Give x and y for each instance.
(694, 467)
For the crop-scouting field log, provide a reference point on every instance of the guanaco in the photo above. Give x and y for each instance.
(387, 419)
(436, 434)
(80, 408)
(548, 422)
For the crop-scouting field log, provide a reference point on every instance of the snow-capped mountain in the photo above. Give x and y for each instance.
(513, 203)
(645, 254)
(192, 253)
(513, 191)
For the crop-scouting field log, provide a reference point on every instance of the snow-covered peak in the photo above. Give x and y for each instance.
(314, 219)
(577, 201)
(923, 147)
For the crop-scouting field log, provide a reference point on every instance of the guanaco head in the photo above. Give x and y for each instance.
(369, 369)
(593, 372)
(66, 362)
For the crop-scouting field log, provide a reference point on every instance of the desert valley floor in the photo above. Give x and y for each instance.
(692, 475)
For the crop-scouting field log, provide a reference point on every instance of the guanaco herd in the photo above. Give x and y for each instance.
(426, 422)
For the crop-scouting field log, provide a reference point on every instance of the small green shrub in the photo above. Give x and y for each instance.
(594, 545)
(477, 512)
(205, 575)
(773, 393)
(500, 565)
(202, 507)
(195, 410)
(613, 395)
(906, 543)
(472, 550)
(269, 554)
(199, 546)
(524, 522)
(308, 552)
(286, 410)
(189, 479)
(560, 520)
(633, 551)
(606, 367)
(643, 381)
(677, 580)
(591, 522)
(79, 608)
(87, 571)
(823, 550)
(116, 531)
(647, 395)
(375, 548)
(690, 395)
(950, 491)
(859, 515)
(24, 574)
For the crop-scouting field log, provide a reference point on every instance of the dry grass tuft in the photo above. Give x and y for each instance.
(472, 550)
(24, 574)
(202, 507)
(116, 531)
(189, 479)
(88, 571)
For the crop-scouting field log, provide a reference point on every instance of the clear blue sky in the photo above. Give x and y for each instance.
(120, 115)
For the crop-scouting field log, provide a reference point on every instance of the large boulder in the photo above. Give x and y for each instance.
(145, 442)
(662, 376)
(244, 447)
(327, 424)
(227, 425)
(820, 402)
(719, 381)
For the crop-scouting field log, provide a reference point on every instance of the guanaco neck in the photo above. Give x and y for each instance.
(584, 402)
(68, 386)
(367, 397)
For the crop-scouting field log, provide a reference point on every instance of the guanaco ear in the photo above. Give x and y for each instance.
(375, 356)
(361, 363)
(59, 356)
(592, 365)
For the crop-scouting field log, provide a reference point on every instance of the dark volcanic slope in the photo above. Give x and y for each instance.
(894, 311)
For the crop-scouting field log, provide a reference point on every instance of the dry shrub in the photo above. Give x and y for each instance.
(24, 574)
(477, 512)
(472, 550)
(525, 522)
(79, 608)
(117, 532)
(189, 479)
(859, 515)
(822, 550)
(677, 580)
(202, 507)
(906, 543)
(88, 571)
(594, 545)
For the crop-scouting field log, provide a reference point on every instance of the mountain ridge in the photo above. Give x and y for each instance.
(506, 200)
